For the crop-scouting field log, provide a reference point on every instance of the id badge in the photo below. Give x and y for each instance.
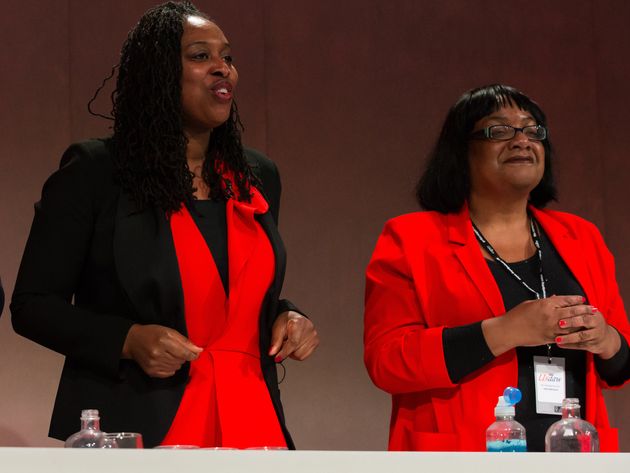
(550, 381)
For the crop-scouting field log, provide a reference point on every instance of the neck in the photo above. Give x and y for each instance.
(195, 157)
(486, 212)
(505, 225)
(196, 148)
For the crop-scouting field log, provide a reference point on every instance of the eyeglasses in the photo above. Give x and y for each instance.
(507, 132)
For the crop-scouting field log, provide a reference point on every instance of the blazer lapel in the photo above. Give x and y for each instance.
(566, 243)
(144, 256)
(241, 234)
(269, 226)
(466, 249)
(568, 247)
(242, 231)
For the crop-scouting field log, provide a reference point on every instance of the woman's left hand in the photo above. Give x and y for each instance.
(591, 333)
(293, 335)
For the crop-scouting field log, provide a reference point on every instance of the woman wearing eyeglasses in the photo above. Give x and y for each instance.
(488, 289)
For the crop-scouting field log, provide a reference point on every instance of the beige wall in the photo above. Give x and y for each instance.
(347, 97)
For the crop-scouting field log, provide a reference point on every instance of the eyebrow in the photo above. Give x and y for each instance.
(194, 43)
(503, 117)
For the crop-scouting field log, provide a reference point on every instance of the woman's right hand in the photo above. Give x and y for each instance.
(160, 351)
(532, 323)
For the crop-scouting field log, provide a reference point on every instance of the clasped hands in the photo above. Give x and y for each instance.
(564, 320)
(161, 351)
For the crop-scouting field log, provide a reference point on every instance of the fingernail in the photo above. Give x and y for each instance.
(583, 299)
(594, 309)
(277, 359)
(562, 323)
(558, 339)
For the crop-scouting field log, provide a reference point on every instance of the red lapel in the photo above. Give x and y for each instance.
(466, 249)
(242, 231)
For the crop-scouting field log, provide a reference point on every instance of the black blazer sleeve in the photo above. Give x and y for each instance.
(52, 265)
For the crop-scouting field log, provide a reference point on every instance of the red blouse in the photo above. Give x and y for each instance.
(226, 402)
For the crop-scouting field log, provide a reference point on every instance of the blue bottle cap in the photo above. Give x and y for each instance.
(512, 395)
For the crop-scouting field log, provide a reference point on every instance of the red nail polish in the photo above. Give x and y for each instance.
(558, 339)
(562, 323)
(594, 309)
(583, 299)
(277, 359)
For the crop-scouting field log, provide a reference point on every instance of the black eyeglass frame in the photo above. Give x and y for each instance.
(486, 133)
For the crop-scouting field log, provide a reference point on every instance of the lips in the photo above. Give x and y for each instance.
(519, 160)
(222, 91)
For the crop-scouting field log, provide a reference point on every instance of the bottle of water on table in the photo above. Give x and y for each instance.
(90, 435)
(505, 434)
(571, 433)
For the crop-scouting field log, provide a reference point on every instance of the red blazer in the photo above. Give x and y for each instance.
(427, 272)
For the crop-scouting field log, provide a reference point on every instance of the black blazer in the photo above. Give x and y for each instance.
(90, 242)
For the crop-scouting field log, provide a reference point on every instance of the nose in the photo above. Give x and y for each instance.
(520, 140)
(219, 68)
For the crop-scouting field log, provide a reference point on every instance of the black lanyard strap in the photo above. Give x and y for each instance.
(486, 244)
(543, 289)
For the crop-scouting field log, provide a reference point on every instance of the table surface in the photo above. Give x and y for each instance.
(59, 460)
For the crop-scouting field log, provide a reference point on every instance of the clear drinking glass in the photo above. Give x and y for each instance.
(123, 440)
(108, 442)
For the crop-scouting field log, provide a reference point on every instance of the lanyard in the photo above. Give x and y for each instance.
(543, 289)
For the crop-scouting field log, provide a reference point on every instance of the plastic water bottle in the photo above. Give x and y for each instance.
(90, 435)
(505, 434)
(571, 433)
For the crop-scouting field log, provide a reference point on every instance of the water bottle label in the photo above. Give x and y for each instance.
(550, 383)
(514, 445)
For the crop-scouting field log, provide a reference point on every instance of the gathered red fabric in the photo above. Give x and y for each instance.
(226, 402)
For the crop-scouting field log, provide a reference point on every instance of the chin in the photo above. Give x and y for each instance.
(524, 186)
(217, 122)
(525, 178)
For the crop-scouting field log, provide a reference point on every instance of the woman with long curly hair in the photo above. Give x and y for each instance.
(154, 263)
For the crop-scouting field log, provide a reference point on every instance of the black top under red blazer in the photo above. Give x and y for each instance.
(90, 242)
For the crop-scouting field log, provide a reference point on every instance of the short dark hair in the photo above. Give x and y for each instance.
(445, 184)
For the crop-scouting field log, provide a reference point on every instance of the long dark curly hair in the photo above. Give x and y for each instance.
(149, 140)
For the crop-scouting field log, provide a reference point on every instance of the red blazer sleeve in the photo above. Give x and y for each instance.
(612, 307)
(583, 249)
(402, 354)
